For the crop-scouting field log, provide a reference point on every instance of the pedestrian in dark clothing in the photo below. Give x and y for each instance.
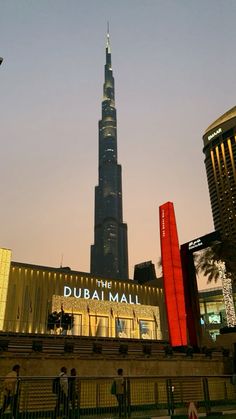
(120, 392)
(73, 396)
(11, 391)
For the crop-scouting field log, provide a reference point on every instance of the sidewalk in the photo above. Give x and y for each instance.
(214, 415)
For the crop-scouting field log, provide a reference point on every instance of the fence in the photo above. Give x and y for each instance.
(145, 397)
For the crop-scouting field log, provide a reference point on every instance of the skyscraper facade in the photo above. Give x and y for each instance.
(220, 161)
(109, 253)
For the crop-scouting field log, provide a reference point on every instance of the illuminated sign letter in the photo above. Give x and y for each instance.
(77, 295)
(130, 299)
(95, 296)
(115, 298)
(136, 300)
(86, 294)
(67, 291)
(123, 299)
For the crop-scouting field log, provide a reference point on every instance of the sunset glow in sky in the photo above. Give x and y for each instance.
(174, 66)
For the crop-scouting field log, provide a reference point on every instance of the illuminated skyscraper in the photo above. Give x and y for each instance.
(220, 152)
(109, 253)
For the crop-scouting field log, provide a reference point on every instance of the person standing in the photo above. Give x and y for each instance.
(120, 391)
(62, 397)
(73, 396)
(11, 391)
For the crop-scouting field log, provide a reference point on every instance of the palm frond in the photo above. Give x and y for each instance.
(206, 261)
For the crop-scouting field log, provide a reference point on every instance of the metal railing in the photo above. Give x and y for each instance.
(144, 397)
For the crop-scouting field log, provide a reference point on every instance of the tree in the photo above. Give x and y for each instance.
(207, 261)
(219, 261)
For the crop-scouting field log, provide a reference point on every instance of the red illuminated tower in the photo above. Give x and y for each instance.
(172, 276)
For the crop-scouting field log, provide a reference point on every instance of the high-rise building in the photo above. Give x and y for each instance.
(220, 161)
(109, 253)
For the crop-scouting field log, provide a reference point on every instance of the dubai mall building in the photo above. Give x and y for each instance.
(39, 299)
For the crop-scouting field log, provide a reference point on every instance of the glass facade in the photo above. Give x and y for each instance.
(212, 309)
(148, 329)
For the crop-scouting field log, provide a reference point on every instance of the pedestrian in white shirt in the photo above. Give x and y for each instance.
(62, 402)
(11, 390)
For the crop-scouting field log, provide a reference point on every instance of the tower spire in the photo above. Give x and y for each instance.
(108, 44)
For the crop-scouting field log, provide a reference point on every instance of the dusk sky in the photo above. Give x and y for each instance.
(174, 67)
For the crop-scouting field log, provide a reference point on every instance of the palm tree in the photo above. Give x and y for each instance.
(219, 261)
(206, 261)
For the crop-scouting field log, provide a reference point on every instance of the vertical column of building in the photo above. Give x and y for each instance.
(5, 262)
(109, 253)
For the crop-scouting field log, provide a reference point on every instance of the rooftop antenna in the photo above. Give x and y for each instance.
(61, 260)
(108, 38)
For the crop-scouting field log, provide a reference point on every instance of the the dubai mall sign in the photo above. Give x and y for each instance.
(103, 292)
